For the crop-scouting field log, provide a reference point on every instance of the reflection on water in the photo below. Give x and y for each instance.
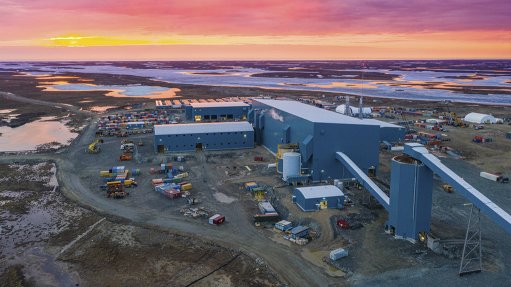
(100, 109)
(407, 84)
(29, 136)
(150, 92)
(338, 84)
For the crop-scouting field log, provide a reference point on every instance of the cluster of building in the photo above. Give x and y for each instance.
(314, 144)
(304, 138)
(318, 133)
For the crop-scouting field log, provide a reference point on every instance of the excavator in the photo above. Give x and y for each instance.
(94, 146)
(453, 119)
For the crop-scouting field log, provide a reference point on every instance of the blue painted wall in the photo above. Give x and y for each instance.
(359, 142)
(318, 141)
(216, 113)
(410, 199)
(210, 141)
(309, 204)
(392, 135)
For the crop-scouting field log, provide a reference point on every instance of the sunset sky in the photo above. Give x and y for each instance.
(262, 29)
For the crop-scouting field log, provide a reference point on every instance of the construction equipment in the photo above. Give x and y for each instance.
(94, 146)
(447, 188)
(116, 190)
(127, 147)
(125, 157)
(453, 119)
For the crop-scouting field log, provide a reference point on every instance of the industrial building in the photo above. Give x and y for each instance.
(207, 136)
(319, 134)
(313, 198)
(217, 111)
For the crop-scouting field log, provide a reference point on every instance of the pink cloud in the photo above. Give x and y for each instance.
(264, 17)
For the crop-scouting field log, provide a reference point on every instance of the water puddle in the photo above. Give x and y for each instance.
(36, 133)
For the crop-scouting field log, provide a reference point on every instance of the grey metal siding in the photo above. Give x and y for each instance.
(209, 141)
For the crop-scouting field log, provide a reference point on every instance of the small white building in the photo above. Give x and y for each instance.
(478, 118)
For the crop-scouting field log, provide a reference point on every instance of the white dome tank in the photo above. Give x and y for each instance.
(291, 165)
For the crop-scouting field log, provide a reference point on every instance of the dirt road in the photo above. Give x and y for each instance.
(13, 97)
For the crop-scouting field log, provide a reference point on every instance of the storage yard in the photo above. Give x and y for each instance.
(290, 200)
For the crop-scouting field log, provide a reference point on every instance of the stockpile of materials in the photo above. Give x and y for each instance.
(173, 186)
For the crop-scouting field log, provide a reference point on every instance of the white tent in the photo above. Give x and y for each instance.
(354, 110)
(478, 118)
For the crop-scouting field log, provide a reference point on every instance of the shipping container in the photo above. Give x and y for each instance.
(266, 207)
(216, 219)
(186, 187)
(181, 175)
(338, 254)
(284, 225)
(105, 173)
(490, 176)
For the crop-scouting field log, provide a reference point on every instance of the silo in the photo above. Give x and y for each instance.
(291, 165)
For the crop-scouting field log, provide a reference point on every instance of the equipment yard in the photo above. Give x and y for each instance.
(114, 208)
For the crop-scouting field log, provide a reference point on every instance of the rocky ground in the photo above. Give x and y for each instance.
(38, 245)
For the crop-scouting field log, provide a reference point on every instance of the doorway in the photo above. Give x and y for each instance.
(198, 146)
(160, 148)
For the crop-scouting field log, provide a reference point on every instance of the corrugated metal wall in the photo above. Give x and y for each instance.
(318, 141)
(209, 141)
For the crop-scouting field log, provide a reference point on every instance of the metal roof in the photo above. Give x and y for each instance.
(312, 113)
(320, 191)
(383, 124)
(199, 128)
(218, 104)
(299, 228)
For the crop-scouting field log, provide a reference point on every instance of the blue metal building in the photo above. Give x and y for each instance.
(217, 111)
(207, 136)
(319, 134)
(389, 132)
(312, 198)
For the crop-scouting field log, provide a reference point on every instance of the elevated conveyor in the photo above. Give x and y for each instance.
(364, 180)
(488, 207)
(409, 204)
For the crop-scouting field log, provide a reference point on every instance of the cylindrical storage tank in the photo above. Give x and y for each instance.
(291, 165)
